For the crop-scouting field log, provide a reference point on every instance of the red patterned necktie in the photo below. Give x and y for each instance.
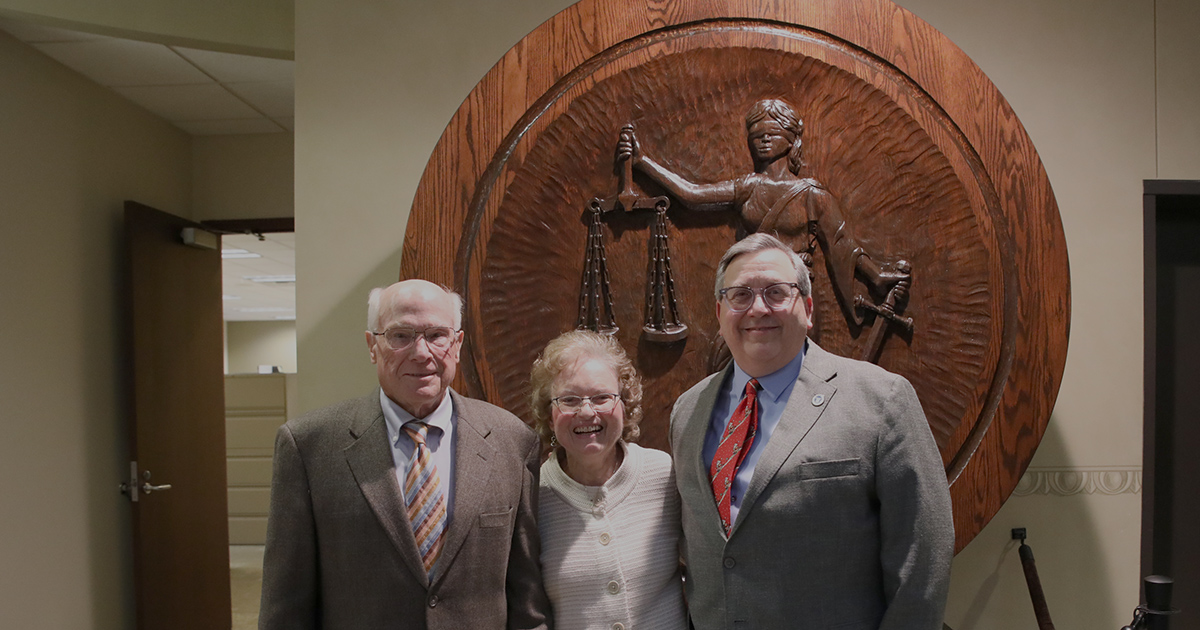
(423, 498)
(731, 452)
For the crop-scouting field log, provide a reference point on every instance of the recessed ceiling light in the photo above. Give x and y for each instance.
(238, 253)
(272, 279)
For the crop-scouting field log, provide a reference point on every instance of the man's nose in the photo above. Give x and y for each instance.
(758, 304)
(421, 348)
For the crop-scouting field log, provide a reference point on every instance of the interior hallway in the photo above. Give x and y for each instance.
(245, 584)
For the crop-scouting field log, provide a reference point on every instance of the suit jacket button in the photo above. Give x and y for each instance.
(433, 601)
(729, 563)
(614, 587)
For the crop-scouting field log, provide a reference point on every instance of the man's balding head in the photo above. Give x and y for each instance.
(415, 377)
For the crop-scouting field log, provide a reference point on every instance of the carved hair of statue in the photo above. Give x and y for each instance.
(787, 118)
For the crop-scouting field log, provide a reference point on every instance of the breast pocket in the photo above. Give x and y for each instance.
(493, 521)
(828, 469)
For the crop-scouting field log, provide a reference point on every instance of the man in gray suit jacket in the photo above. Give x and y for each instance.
(342, 550)
(837, 511)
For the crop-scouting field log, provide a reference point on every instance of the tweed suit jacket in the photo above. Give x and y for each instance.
(340, 551)
(846, 522)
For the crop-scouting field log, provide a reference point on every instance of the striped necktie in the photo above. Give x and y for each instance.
(426, 505)
(731, 451)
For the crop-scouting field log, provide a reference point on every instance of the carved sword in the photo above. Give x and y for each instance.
(885, 315)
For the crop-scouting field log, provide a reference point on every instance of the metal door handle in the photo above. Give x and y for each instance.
(147, 488)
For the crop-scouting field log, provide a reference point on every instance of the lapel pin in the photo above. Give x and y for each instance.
(818, 399)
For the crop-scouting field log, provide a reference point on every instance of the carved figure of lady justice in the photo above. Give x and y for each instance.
(774, 198)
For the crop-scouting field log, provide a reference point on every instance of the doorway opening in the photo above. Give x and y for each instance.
(1171, 470)
(259, 305)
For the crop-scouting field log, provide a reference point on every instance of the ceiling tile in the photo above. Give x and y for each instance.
(124, 63)
(257, 300)
(36, 33)
(230, 68)
(227, 127)
(276, 98)
(189, 102)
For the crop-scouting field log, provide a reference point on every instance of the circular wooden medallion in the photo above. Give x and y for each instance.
(908, 153)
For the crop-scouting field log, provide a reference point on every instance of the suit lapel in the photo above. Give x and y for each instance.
(797, 420)
(370, 459)
(691, 446)
(471, 477)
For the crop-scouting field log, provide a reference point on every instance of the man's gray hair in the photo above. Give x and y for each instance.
(758, 242)
(373, 307)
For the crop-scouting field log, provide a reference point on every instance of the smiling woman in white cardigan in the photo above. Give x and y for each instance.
(608, 509)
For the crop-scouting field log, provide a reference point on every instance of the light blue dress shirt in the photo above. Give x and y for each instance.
(772, 398)
(439, 439)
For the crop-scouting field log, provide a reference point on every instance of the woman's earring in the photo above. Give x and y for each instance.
(553, 441)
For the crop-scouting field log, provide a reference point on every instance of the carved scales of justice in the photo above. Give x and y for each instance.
(662, 323)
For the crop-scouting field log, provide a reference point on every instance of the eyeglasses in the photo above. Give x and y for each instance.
(600, 403)
(436, 337)
(775, 296)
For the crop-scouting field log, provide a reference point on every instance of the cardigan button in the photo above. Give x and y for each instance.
(614, 587)
(618, 626)
(605, 538)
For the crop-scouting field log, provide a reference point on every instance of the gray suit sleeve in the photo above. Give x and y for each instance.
(528, 605)
(917, 529)
(289, 588)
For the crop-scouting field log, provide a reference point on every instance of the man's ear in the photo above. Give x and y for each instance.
(808, 308)
(371, 345)
(457, 347)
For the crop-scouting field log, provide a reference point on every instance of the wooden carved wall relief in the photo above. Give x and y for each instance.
(598, 172)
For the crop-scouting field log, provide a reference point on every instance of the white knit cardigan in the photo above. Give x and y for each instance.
(610, 554)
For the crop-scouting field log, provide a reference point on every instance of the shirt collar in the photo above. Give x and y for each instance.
(774, 384)
(396, 417)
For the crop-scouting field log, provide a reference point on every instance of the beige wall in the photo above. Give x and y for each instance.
(251, 344)
(1177, 73)
(251, 27)
(72, 153)
(246, 176)
(377, 82)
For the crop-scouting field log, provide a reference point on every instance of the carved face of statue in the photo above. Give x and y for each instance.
(768, 141)
(415, 377)
(761, 339)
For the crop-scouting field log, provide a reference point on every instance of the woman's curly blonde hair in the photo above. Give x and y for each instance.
(565, 350)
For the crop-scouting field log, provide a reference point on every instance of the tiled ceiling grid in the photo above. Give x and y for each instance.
(201, 92)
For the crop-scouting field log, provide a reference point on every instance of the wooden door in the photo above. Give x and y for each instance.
(177, 425)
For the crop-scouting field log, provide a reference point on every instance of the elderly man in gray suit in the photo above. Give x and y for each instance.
(410, 508)
(813, 492)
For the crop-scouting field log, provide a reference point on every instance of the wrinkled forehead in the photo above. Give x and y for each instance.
(417, 309)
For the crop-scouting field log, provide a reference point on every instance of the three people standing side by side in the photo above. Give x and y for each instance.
(608, 512)
(806, 490)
